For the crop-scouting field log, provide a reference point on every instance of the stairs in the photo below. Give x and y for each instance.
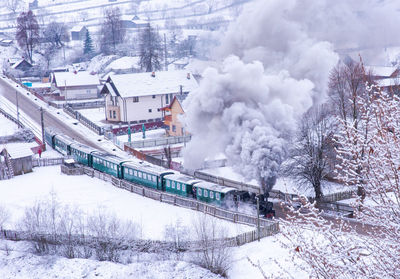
(9, 167)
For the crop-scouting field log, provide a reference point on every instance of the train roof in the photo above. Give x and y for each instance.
(65, 138)
(82, 147)
(108, 157)
(143, 166)
(214, 187)
(182, 178)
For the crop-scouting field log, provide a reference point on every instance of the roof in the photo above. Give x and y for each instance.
(182, 178)
(20, 150)
(386, 82)
(214, 187)
(77, 28)
(143, 166)
(382, 71)
(108, 157)
(143, 84)
(16, 64)
(83, 148)
(178, 98)
(82, 78)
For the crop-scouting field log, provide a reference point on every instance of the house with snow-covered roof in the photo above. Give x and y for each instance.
(173, 114)
(382, 72)
(78, 33)
(76, 85)
(140, 97)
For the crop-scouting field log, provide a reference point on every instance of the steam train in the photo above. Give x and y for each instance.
(156, 177)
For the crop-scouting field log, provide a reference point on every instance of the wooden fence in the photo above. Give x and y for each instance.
(269, 227)
(44, 162)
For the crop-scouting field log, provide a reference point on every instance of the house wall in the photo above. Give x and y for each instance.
(136, 112)
(22, 165)
(79, 92)
(175, 127)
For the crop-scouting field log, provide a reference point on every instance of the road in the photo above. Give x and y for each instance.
(33, 111)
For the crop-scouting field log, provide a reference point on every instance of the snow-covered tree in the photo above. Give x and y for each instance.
(150, 50)
(334, 250)
(88, 44)
(112, 31)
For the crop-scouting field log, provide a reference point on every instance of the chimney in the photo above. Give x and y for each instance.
(188, 76)
(153, 74)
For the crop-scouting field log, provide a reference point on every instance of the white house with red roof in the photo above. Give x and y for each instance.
(139, 97)
(76, 85)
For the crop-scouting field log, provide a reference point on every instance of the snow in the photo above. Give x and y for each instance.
(144, 84)
(23, 264)
(96, 115)
(19, 150)
(7, 127)
(150, 134)
(90, 195)
(123, 63)
(82, 78)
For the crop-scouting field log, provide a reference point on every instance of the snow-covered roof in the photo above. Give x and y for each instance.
(144, 84)
(77, 28)
(126, 62)
(213, 187)
(382, 71)
(18, 150)
(17, 63)
(182, 178)
(82, 78)
(388, 82)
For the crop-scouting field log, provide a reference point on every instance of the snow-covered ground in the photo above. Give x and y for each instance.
(20, 263)
(7, 127)
(96, 115)
(150, 134)
(90, 195)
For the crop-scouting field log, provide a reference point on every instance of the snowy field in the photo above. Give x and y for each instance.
(7, 127)
(150, 134)
(90, 195)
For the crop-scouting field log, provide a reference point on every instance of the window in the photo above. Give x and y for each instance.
(166, 99)
(183, 187)
(211, 194)
(178, 186)
(154, 96)
(114, 114)
(130, 172)
(154, 178)
(145, 176)
(139, 174)
(205, 193)
(217, 196)
(110, 114)
(199, 192)
(173, 185)
(135, 173)
(173, 128)
(88, 91)
(149, 110)
(168, 183)
(135, 99)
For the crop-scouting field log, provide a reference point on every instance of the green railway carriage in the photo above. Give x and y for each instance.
(49, 135)
(145, 174)
(82, 154)
(179, 184)
(107, 163)
(62, 144)
(213, 193)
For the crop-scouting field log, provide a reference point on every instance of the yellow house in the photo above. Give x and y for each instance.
(172, 114)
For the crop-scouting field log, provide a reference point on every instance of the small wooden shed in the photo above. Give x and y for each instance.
(20, 158)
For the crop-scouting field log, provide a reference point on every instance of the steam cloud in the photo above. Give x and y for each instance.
(277, 63)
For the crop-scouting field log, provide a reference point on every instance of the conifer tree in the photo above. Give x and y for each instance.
(88, 46)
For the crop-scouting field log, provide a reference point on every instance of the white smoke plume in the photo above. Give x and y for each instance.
(277, 57)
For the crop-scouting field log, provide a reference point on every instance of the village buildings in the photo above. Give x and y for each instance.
(173, 117)
(140, 97)
(76, 84)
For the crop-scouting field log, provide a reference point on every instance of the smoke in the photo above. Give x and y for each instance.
(276, 61)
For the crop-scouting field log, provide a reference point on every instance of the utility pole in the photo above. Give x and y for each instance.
(16, 97)
(165, 53)
(258, 217)
(42, 123)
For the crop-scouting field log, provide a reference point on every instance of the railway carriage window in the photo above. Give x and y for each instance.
(184, 187)
(154, 179)
(205, 193)
(199, 192)
(218, 196)
(145, 176)
(168, 183)
(140, 174)
(178, 186)
(173, 185)
(211, 194)
(135, 173)
(130, 172)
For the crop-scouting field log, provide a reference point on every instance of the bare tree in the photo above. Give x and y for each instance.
(13, 5)
(56, 34)
(311, 153)
(215, 255)
(150, 50)
(4, 216)
(27, 33)
(112, 31)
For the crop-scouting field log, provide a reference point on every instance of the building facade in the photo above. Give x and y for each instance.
(76, 85)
